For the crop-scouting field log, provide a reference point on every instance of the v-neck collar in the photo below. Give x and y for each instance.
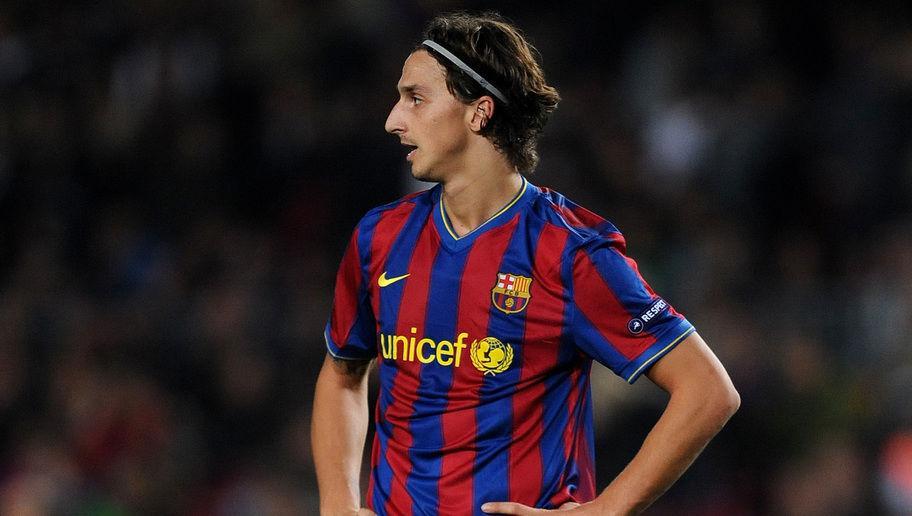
(445, 228)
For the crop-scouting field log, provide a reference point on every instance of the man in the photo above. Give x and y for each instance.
(483, 301)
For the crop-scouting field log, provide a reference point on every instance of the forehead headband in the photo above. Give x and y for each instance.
(467, 69)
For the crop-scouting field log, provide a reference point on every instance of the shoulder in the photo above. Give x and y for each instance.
(585, 228)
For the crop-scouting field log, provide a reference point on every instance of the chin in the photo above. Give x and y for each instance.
(424, 175)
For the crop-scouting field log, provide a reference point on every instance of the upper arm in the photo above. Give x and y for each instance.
(691, 365)
(348, 374)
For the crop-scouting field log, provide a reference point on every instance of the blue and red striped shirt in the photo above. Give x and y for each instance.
(484, 345)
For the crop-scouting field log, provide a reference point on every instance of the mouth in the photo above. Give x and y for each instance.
(411, 153)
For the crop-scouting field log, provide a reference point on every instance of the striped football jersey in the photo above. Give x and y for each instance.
(484, 345)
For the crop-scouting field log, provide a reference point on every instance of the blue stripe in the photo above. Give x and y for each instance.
(495, 409)
(581, 423)
(361, 334)
(365, 238)
(587, 338)
(586, 435)
(359, 341)
(390, 299)
(427, 431)
(556, 417)
(631, 292)
(557, 392)
(620, 277)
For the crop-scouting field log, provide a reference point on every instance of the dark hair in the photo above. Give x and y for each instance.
(497, 50)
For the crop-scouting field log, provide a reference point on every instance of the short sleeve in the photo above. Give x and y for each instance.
(617, 319)
(351, 331)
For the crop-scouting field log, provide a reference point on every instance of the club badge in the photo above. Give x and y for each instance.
(511, 293)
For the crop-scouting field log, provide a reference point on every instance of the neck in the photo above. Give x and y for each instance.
(471, 198)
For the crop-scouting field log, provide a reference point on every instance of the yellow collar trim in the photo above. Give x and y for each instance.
(446, 220)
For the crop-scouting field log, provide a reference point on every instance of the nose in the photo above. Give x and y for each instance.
(394, 123)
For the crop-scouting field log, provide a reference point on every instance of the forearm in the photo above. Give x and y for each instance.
(702, 399)
(689, 422)
(338, 431)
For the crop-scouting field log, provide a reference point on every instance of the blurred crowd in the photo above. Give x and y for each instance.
(177, 183)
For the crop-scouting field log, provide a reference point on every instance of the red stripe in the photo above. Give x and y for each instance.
(412, 312)
(544, 320)
(458, 421)
(579, 217)
(601, 306)
(375, 459)
(348, 286)
(586, 217)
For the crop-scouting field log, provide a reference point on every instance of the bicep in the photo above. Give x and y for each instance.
(690, 363)
(345, 373)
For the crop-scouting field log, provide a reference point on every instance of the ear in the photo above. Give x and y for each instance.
(480, 113)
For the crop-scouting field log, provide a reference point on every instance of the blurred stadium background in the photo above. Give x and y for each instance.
(177, 183)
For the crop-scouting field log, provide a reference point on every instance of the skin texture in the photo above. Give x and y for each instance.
(477, 178)
(338, 430)
(477, 181)
(429, 117)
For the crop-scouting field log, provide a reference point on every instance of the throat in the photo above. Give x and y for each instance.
(466, 212)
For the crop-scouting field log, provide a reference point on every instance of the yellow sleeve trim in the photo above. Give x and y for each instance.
(659, 354)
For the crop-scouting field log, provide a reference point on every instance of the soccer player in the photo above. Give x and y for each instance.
(483, 301)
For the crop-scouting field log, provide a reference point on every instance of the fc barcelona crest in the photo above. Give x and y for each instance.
(511, 293)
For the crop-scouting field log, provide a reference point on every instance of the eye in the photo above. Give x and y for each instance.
(416, 100)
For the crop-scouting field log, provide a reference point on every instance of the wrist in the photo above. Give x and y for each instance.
(338, 508)
(608, 510)
(612, 503)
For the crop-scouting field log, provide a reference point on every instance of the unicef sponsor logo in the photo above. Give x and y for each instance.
(491, 356)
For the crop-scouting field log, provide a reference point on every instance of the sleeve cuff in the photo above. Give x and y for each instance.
(341, 353)
(668, 340)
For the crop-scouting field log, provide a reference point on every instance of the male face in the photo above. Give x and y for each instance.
(430, 119)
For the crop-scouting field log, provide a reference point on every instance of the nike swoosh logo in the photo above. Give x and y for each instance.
(383, 281)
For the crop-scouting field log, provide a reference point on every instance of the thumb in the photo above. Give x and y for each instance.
(509, 508)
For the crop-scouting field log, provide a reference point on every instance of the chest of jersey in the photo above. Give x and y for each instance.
(472, 316)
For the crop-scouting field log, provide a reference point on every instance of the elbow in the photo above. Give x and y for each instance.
(718, 400)
(712, 402)
(727, 401)
(733, 401)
